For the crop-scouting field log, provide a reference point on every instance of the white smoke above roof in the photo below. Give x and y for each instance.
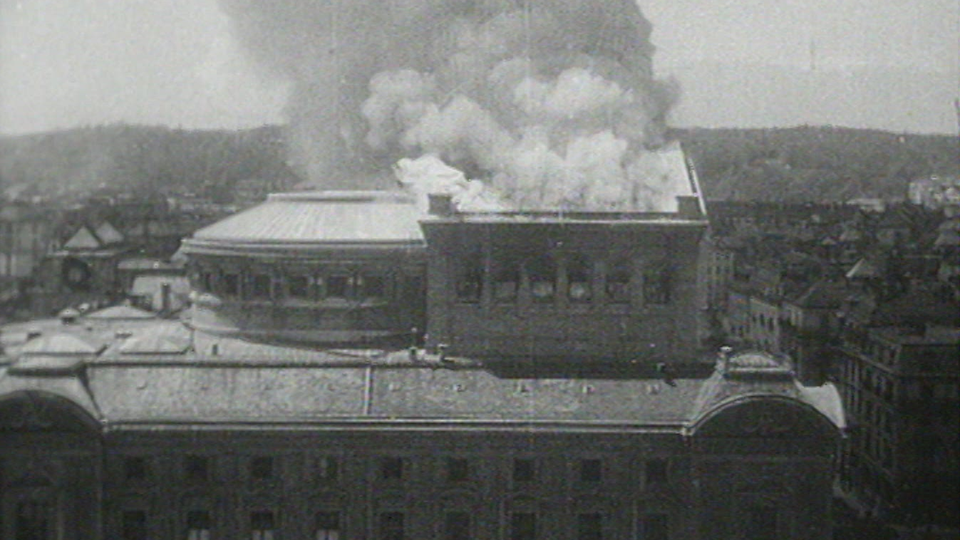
(551, 101)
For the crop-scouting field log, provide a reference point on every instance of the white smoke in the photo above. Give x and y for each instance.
(551, 101)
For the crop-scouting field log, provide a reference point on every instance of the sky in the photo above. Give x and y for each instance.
(884, 64)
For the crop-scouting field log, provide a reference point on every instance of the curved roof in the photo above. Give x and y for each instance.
(317, 218)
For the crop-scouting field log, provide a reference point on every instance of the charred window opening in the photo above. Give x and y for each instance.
(579, 278)
(657, 283)
(542, 273)
(470, 278)
(506, 278)
(618, 281)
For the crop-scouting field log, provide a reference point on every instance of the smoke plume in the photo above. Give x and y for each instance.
(551, 101)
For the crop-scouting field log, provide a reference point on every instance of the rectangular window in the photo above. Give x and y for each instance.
(196, 468)
(327, 526)
(470, 278)
(657, 284)
(391, 468)
(591, 470)
(134, 525)
(579, 278)
(198, 525)
(524, 470)
(298, 287)
(456, 526)
(590, 527)
(260, 286)
(328, 469)
(542, 273)
(261, 468)
(523, 526)
(656, 471)
(206, 281)
(458, 470)
(262, 526)
(506, 279)
(135, 469)
(231, 284)
(391, 526)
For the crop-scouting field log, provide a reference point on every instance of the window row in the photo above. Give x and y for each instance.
(546, 277)
(199, 469)
(394, 525)
(333, 283)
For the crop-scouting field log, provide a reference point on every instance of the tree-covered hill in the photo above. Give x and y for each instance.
(794, 164)
(823, 164)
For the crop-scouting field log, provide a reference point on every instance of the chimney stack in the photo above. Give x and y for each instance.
(441, 204)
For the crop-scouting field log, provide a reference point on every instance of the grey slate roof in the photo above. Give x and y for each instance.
(323, 217)
(128, 386)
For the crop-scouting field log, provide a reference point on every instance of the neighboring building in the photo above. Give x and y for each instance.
(354, 369)
(26, 236)
(901, 391)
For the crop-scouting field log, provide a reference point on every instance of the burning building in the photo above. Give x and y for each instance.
(512, 356)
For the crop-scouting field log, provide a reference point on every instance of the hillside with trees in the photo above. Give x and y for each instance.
(792, 164)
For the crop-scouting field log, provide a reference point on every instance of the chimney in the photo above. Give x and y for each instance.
(441, 204)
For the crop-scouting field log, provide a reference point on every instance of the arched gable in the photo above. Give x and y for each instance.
(39, 411)
(764, 416)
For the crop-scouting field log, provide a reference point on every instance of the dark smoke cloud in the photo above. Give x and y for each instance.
(552, 100)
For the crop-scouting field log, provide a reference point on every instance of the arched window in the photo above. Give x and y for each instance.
(579, 278)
